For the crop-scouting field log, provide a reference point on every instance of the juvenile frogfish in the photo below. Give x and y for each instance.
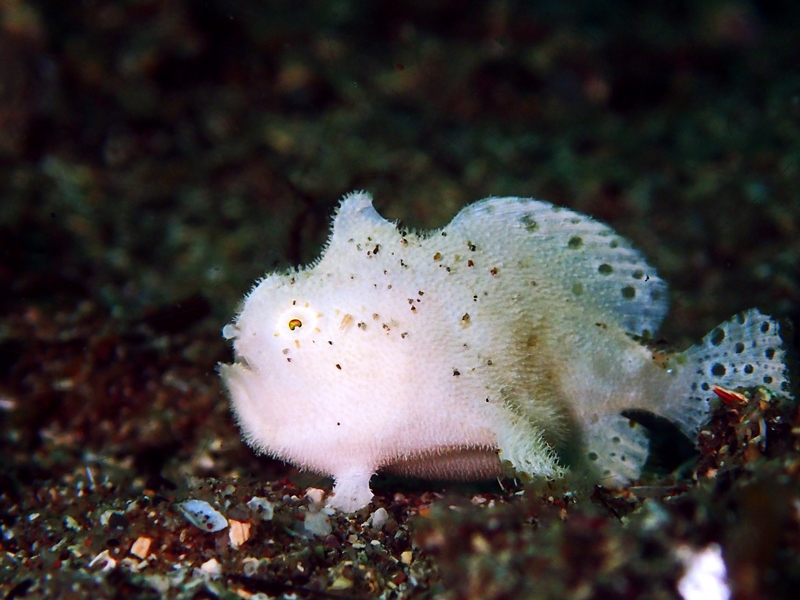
(509, 340)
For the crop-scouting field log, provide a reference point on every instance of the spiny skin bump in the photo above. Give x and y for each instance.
(495, 342)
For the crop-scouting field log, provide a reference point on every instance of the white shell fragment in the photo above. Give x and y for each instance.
(203, 516)
(261, 507)
(706, 577)
(211, 568)
(507, 341)
(317, 523)
(109, 563)
(378, 519)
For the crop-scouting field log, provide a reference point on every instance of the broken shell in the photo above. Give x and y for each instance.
(141, 547)
(203, 516)
(239, 533)
(261, 507)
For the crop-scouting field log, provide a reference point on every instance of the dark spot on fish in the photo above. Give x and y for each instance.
(529, 223)
(575, 242)
(718, 370)
(605, 269)
(717, 336)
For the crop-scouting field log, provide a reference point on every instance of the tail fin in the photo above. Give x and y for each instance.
(745, 351)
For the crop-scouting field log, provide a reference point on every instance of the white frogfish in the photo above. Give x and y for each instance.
(496, 344)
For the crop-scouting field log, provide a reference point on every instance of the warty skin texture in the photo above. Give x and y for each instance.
(496, 342)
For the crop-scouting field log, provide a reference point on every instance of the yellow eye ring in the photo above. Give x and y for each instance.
(296, 322)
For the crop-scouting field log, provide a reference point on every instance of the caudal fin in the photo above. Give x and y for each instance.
(746, 351)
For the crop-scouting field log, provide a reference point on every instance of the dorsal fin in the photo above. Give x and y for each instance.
(355, 223)
(598, 266)
(356, 218)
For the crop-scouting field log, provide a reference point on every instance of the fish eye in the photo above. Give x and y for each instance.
(297, 321)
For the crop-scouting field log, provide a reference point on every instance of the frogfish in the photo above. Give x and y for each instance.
(510, 341)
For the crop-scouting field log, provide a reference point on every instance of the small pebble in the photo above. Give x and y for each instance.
(316, 495)
(141, 547)
(239, 533)
(212, 568)
(378, 519)
(262, 507)
(318, 523)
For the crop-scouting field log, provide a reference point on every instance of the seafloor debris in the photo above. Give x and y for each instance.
(203, 516)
